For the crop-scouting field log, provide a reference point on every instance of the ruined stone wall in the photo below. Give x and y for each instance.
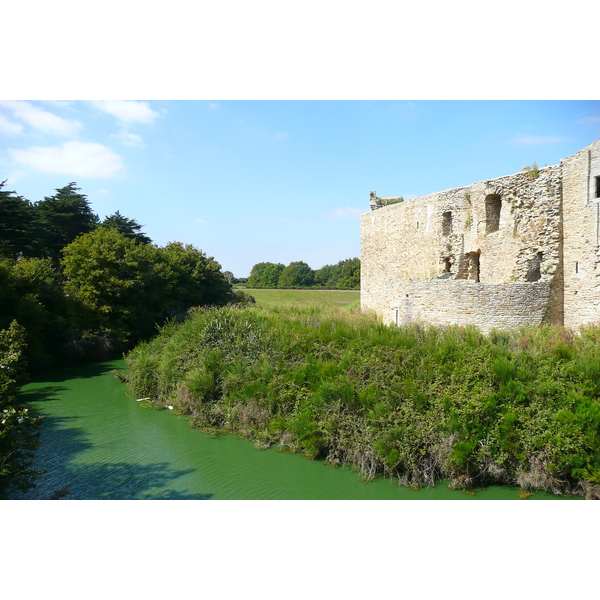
(581, 236)
(489, 254)
(486, 305)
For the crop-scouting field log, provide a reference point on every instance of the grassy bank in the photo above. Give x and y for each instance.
(414, 403)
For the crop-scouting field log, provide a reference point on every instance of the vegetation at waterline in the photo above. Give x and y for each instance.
(17, 425)
(413, 403)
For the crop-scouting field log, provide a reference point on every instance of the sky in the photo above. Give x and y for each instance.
(249, 181)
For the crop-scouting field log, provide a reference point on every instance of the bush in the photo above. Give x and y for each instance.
(414, 403)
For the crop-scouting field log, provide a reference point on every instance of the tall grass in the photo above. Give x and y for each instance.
(415, 403)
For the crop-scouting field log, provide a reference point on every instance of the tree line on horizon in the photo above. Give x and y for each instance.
(343, 275)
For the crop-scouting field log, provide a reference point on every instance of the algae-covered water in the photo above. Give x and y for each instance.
(98, 443)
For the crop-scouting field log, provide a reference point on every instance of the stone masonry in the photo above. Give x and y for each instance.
(514, 250)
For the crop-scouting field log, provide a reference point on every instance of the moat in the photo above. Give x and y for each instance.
(97, 443)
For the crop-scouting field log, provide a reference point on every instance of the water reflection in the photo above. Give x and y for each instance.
(63, 478)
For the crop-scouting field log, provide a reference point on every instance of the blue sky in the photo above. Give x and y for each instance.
(279, 181)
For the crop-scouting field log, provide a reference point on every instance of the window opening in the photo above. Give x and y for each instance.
(597, 187)
(534, 271)
(473, 266)
(576, 267)
(447, 223)
(493, 205)
(447, 265)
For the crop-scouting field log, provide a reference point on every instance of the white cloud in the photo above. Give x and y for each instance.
(9, 127)
(81, 159)
(129, 111)
(212, 105)
(534, 140)
(199, 221)
(129, 139)
(590, 120)
(41, 119)
(349, 212)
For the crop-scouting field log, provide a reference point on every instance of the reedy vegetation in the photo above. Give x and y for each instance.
(413, 403)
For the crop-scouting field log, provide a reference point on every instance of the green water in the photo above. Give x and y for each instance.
(97, 443)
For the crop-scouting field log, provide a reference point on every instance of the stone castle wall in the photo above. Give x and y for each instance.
(517, 249)
(581, 237)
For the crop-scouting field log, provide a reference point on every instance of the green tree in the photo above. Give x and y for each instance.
(115, 280)
(31, 293)
(125, 289)
(128, 227)
(195, 279)
(61, 218)
(345, 274)
(297, 274)
(16, 224)
(350, 274)
(328, 276)
(265, 275)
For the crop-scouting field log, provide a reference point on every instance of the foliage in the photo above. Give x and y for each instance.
(296, 275)
(31, 293)
(194, 279)
(126, 288)
(265, 275)
(416, 403)
(531, 171)
(16, 221)
(17, 425)
(61, 218)
(128, 227)
(344, 275)
(388, 201)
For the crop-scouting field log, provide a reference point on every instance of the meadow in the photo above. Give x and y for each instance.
(277, 299)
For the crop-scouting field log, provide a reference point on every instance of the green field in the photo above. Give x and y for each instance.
(286, 298)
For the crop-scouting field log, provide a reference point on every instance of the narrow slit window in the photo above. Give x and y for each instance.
(597, 187)
(447, 223)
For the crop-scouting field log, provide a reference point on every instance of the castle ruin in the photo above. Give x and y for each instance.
(519, 249)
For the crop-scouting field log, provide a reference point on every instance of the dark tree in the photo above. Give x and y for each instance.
(61, 218)
(16, 223)
(128, 227)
